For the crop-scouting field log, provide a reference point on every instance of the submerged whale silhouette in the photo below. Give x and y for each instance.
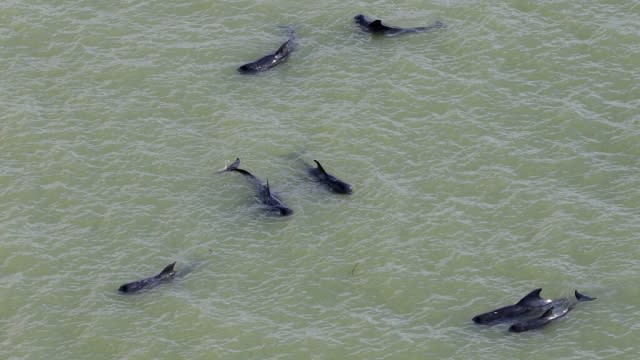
(271, 201)
(166, 274)
(269, 61)
(531, 312)
(377, 27)
(333, 183)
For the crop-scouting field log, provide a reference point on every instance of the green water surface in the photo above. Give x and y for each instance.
(495, 156)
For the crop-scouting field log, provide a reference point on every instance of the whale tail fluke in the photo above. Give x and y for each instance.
(233, 166)
(582, 297)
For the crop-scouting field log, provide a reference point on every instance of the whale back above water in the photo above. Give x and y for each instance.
(271, 201)
(559, 308)
(269, 61)
(530, 305)
(333, 183)
(166, 274)
(532, 311)
(377, 27)
(548, 316)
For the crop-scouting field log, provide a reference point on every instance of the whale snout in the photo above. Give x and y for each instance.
(518, 327)
(285, 211)
(486, 318)
(247, 69)
(342, 188)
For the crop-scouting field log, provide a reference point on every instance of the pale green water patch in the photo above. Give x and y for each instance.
(488, 159)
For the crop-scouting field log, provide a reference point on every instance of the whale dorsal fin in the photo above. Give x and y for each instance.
(376, 25)
(532, 299)
(287, 46)
(320, 166)
(283, 48)
(168, 269)
(582, 297)
(267, 189)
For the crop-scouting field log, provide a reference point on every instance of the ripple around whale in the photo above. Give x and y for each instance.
(498, 154)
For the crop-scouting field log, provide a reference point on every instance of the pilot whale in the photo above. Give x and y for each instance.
(269, 61)
(265, 196)
(333, 183)
(377, 27)
(531, 312)
(529, 306)
(166, 274)
(559, 308)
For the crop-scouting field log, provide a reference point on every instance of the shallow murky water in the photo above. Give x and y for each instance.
(493, 157)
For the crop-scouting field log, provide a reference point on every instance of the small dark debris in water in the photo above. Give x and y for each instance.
(353, 271)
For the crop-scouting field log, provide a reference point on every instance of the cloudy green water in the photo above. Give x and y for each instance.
(494, 157)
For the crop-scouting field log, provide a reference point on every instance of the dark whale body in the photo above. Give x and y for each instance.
(333, 183)
(166, 274)
(531, 312)
(560, 308)
(269, 61)
(531, 305)
(272, 202)
(377, 27)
